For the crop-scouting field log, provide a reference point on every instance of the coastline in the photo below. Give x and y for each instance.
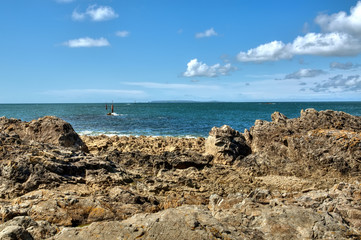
(271, 181)
(167, 119)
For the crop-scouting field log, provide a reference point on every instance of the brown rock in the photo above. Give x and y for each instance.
(301, 181)
(226, 144)
(49, 129)
(313, 144)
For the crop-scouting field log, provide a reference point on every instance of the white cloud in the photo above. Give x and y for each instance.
(305, 73)
(122, 33)
(341, 39)
(272, 51)
(200, 69)
(78, 16)
(318, 44)
(87, 42)
(95, 13)
(208, 33)
(341, 22)
(329, 44)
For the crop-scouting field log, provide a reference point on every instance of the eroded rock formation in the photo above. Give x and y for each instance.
(49, 129)
(286, 179)
(226, 145)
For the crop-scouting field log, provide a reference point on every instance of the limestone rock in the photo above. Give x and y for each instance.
(26, 228)
(144, 144)
(49, 129)
(226, 144)
(307, 145)
(300, 181)
(15, 233)
(186, 222)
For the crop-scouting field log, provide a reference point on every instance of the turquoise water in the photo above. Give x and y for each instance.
(166, 119)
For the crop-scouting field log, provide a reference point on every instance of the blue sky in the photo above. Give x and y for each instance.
(139, 50)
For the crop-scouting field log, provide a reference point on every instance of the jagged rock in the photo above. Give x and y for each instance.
(147, 145)
(15, 233)
(313, 144)
(300, 181)
(26, 228)
(226, 144)
(257, 215)
(185, 222)
(49, 129)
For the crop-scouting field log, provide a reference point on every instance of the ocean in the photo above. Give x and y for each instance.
(166, 119)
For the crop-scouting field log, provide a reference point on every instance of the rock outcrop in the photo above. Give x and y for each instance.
(226, 144)
(314, 144)
(260, 214)
(49, 129)
(286, 179)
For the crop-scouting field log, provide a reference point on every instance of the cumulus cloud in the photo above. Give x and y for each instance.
(343, 66)
(272, 51)
(341, 22)
(329, 44)
(95, 13)
(319, 44)
(122, 33)
(87, 42)
(200, 69)
(339, 83)
(305, 73)
(341, 38)
(208, 33)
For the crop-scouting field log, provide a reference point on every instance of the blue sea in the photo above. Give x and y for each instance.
(166, 119)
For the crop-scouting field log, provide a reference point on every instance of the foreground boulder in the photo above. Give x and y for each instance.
(49, 129)
(226, 144)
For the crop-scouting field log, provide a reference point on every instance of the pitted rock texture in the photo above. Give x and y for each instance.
(316, 143)
(144, 144)
(286, 179)
(49, 129)
(226, 144)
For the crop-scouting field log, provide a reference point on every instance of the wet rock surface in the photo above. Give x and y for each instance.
(286, 179)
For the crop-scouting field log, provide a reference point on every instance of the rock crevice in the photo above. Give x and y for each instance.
(285, 179)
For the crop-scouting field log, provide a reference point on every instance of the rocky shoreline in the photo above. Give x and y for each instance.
(285, 179)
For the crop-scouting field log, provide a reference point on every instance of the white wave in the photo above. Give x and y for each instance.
(117, 114)
(86, 132)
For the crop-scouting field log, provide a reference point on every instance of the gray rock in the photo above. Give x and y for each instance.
(24, 227)
(15, 233)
